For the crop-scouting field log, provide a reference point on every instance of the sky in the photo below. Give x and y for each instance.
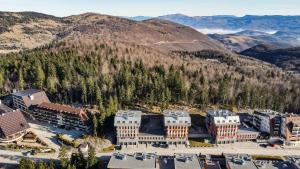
(155, 7)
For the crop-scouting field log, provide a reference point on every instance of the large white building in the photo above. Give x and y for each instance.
(133, 128)
(177, 125)
(127, 124)
(222, 125)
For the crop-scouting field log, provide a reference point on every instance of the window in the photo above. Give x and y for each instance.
(130, 121)
(168, 122)
(118, 121)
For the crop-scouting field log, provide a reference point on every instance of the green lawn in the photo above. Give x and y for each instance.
(199, 142)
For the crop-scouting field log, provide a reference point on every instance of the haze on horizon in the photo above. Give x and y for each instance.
(155, 7)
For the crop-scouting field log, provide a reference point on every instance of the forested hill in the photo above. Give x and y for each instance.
(27, 30)
(288, 59)
(103, 60)
(102, 73)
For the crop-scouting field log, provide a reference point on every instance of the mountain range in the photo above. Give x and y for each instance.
(247, 22)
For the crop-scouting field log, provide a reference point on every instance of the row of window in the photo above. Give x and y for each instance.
(129, 122)
(223, 121)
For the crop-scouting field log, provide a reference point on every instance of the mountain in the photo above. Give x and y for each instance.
(29, 30)
(243, 40)
(139, 18)
(288, 58)
(248, 22)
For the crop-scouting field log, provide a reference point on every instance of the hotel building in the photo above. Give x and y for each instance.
(61, 115)
(133, 128)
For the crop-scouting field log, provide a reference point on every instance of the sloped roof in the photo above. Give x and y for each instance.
(12, 122)
(65, 109)
(4, 108)
(32, 96)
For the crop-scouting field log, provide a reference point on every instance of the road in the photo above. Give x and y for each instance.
(11, 157)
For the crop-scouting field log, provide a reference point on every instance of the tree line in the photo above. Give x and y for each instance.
(76, 161)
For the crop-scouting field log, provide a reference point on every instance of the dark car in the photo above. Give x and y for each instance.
(164, 146)
(156, 145)
(264, 145)
(33, 152)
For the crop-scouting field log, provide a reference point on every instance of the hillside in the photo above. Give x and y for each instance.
(288, 58)
(29, 30)
(98, 57)
(243, 40)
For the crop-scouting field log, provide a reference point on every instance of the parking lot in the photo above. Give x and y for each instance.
(47, 133)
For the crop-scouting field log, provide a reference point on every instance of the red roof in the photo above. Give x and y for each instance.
(65, 109)
(12, 122)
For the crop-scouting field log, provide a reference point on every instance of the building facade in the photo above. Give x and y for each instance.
(267, 121)
(127, 125)
(61, 115)
(132, 130)
(246, 134)
(177, 125)
(290, 129)
(222, 125)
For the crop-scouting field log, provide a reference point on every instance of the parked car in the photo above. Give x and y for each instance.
(156, 145)
(164, 145)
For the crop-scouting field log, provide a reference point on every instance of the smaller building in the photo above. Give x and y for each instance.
(242, 161)
(24, 100)
(246, 134)
(135, 161)
(61, 115)
(186, 161)
(13, 126)
(83, 148)
(290, 129)
(267, 121)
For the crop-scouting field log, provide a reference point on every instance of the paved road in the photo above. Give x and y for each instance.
(13, 157)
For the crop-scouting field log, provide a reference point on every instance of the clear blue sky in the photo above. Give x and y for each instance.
(155, 7)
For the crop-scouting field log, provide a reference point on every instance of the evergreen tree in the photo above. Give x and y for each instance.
(40, 77)
(83, 92)
(41, 165)
(20, 79)
(23, 163)
(95, 125)
(92, 159)
(63, 156)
